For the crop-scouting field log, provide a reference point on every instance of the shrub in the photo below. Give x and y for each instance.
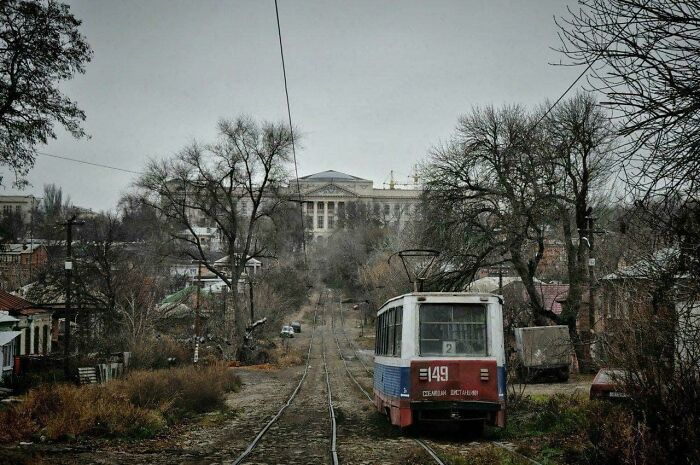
(139, 405)
(154, 353)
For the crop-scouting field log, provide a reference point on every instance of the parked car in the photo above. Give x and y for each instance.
(296, 326)
(606, 385)
(287, 331)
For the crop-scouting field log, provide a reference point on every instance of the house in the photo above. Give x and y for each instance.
(651, 289)
(33, 323)
(8, 336)
(19, 263)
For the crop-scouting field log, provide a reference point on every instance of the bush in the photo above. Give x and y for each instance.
(139, 405)
(154, 353)
(64, 411)
(181, 391)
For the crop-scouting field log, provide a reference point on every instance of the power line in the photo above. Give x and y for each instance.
(583, 73)
(99, 165)
(291, 130)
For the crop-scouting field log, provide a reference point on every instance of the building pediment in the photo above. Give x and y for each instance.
(330, 190)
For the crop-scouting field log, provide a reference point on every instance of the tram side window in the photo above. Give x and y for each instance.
(453, 329)
(398, 320)
(389, 349)
(389, 333)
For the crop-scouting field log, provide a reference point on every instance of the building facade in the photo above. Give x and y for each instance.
(328, 200)
(331, 197)
(20, 205)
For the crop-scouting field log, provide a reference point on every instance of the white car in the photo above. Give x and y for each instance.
(287, 331)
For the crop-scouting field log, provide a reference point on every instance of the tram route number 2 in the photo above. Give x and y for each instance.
(448, 347)
(436, 373)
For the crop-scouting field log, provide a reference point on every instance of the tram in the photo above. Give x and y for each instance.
(439, 356)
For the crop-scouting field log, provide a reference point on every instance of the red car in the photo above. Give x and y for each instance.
(607, 385)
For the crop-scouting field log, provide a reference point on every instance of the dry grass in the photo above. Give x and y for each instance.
(292, 357)
(139, 405)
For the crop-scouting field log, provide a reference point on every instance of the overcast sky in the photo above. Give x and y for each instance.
(373, 84)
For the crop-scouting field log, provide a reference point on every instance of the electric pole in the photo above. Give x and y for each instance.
(68, 266)
(196, 316)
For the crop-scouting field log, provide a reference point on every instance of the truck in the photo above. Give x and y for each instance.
(543, 351)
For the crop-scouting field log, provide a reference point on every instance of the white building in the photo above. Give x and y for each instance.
(21, 205)
(328, 197)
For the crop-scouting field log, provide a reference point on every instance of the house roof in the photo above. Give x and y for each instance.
(179, 296)
(17, 305)
(17, 249)
(225, 261)
(553, 295)
(8, 336)
(331, 175)
(658, 262)
(490, 283)
(5, 318)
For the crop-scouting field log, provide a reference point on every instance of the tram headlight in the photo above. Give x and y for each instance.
(484, 374)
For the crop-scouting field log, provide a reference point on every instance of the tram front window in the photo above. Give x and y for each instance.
(453, 330)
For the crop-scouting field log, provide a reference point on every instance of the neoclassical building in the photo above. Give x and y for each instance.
(329, 197)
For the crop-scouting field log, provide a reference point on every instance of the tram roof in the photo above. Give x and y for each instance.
(440, 294)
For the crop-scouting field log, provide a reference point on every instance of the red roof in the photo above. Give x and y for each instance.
(553, 295)
(17, 305)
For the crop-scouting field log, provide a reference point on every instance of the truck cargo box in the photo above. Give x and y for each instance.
(543, 347)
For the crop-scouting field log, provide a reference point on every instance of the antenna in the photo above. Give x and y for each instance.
(417, 264)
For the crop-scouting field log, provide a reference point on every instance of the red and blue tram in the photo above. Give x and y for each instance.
(440, 357)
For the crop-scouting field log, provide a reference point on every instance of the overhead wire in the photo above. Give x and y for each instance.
(84, 162)
(291, 131)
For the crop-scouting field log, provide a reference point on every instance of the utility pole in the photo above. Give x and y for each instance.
(196, 316)
(591, 269)
(68, 266)
(250, 297)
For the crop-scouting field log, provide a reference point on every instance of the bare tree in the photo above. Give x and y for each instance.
(579, 145)
(646, 60)
(490, 190)
(234, 185)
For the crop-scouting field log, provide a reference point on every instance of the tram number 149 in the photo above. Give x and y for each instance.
(436, 373)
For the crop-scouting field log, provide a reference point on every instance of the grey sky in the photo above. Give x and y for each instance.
(373, 84)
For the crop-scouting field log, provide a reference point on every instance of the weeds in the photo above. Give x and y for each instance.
(140, 405)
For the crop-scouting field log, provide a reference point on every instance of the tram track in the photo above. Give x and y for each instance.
(429, 449)
(256, 440)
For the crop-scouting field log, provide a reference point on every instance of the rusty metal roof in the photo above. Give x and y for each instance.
(14, 304)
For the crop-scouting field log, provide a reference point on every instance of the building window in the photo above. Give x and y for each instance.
(397, 210)
(36, 339)
(27, 341)
(331, 215)
(341, 209)
(387, 209)
(45, 340)
(320, 214)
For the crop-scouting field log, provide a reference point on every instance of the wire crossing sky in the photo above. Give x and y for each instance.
(373, 84)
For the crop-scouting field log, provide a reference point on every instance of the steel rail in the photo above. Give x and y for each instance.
(347, 369)
(420, 442)
(331, 410)
(272, 420)
(352, 346)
